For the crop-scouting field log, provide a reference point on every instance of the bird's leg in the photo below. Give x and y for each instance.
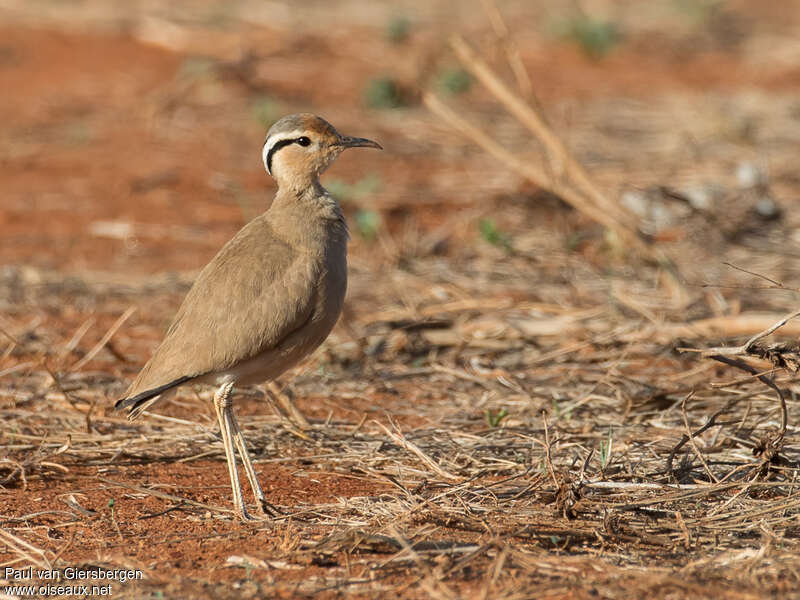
(222, 403)
(264, 507)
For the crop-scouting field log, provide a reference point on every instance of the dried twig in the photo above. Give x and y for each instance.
(510, 49)
(402, 441)
(285, 402)
(533, 121)
(746, 348)
(691, 437)
(523, 168)
(27, 552)
(724, 354)
(104, 340)
(163, 495)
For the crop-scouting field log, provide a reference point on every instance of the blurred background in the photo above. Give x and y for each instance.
(132, 132)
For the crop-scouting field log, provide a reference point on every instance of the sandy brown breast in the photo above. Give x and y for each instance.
(326, 262)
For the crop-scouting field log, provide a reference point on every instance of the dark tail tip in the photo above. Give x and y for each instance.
(123, 403)
(134, 401)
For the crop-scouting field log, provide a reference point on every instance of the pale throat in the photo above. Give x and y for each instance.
(300, 176)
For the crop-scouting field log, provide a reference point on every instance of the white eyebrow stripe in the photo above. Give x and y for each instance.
(274, 139)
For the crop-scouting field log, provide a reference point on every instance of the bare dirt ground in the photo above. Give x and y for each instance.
(502, 411)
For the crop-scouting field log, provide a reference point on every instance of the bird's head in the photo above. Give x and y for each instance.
(300, 147)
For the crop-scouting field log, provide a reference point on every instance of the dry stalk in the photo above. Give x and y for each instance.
(525, 169)
(557, 151)
(292, 413)
(163, 495)
(724, 355)
(26, 552)
(77, 337)
(691, 437)
(104, 340)
(726, 326)
(746, 348)
(43, 363)
(510, 49)
(402, 441)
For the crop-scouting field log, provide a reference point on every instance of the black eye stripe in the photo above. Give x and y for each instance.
(303, 141)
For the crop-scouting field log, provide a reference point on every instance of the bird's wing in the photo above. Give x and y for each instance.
(254, 293)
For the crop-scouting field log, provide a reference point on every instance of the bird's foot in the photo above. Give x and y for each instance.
(244, 516)
(267, 510)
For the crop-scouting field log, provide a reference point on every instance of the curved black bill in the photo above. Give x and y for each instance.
(357, 142)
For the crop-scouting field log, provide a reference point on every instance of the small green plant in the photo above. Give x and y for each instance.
(197, 67)
(383, 92)
(454, 81)
(605, 450)
(368, 223)
(494, 419)
(245, 202)
(266, 111)
(594, 36)
(222, 15)
(114, 518)
(696, 11)
(493, 235)
(557, 410)
(574, 241)
(339, 188)
(78, 133)
(353, 192)
(398, 29)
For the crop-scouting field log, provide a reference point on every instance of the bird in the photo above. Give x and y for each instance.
(268, 298)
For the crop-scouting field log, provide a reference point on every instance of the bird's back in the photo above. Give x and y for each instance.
(282, 275)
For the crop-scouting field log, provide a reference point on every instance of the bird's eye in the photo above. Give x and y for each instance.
(304, 141)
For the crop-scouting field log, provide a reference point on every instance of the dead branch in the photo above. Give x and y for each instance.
(556, 150)
(788, 358)
(525, 169)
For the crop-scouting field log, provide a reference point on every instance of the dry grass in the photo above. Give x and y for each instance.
(589, 476)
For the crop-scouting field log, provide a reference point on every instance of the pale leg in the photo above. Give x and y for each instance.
(265, 508)
(222, 404)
